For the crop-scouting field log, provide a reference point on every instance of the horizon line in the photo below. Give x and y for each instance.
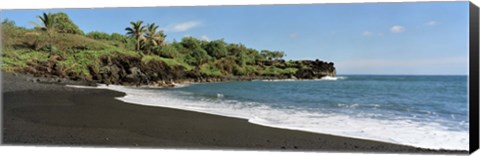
(406, 74)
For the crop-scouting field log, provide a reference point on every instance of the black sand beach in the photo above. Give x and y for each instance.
(39, 113)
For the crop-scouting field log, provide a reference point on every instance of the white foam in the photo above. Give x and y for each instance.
(279, 80)
(181, 85)
(328, 78)
(333, 78)
(406, 132)
(83, 87)
(402, 131)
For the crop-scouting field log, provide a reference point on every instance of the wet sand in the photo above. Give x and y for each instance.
(50, 114)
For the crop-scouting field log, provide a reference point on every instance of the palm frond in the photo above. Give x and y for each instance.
(47, 20)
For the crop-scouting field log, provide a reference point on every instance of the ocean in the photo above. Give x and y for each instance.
(421, 111)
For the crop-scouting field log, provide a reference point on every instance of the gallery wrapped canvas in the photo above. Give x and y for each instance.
(358, 77)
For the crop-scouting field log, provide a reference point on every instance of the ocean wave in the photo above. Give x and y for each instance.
(279, 80)
(326, 78)
(356, 105)
(405, 132)
(400, 131)
(333, 78)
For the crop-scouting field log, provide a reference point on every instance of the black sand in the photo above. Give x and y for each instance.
(37, 113)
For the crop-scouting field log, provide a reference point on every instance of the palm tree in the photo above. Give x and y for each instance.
(48, 22)
(136, 32)
(150, 36)
(153, 37)
(161, 38)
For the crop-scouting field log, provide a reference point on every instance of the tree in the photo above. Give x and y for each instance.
(166, 51)
(273, 55)
(255, 56)
(191, 43)
(48, 22)
(240, 52)
(136, 32)
(57, 22)
(216, 49)
(153, 37)
(197, 55)
(7, 22)
(118, 37)
(63, 24)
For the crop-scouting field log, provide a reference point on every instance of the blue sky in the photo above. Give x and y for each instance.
(368, 38)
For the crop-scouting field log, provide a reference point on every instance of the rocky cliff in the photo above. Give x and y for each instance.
(129, 70)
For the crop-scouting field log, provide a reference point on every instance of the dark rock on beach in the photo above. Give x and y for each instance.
(316, 70)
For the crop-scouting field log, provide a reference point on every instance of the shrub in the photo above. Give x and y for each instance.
(118, 37)
(216, 49)
(11, 35)
(197, 57)
(167, 51)
(239, 71)
(274, 71)
(49, 48)
(251, 70)
(210, 70)
(226, 64)
(63, 24)
(98, 35)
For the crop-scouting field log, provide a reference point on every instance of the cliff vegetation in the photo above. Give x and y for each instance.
(57, 48)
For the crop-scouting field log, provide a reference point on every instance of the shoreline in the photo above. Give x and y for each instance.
(119, 88)
(37, 113)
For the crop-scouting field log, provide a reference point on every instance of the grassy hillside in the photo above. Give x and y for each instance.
(54, 51)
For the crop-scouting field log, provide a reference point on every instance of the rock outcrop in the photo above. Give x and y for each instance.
(129, 70)
(315, 70)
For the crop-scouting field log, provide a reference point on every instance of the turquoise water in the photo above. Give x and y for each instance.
(421, 111)
(441, 99)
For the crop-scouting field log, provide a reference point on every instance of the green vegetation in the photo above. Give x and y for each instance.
(98, 35)
(58, 47)
(136, 32)
(273, 55)
(57, 22)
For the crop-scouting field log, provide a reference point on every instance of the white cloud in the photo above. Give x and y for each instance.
(204, 37)
(367, 33)
(184, 26)
(432, 23)
(397, 29)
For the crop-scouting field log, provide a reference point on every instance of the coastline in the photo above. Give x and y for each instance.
(46, 113)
